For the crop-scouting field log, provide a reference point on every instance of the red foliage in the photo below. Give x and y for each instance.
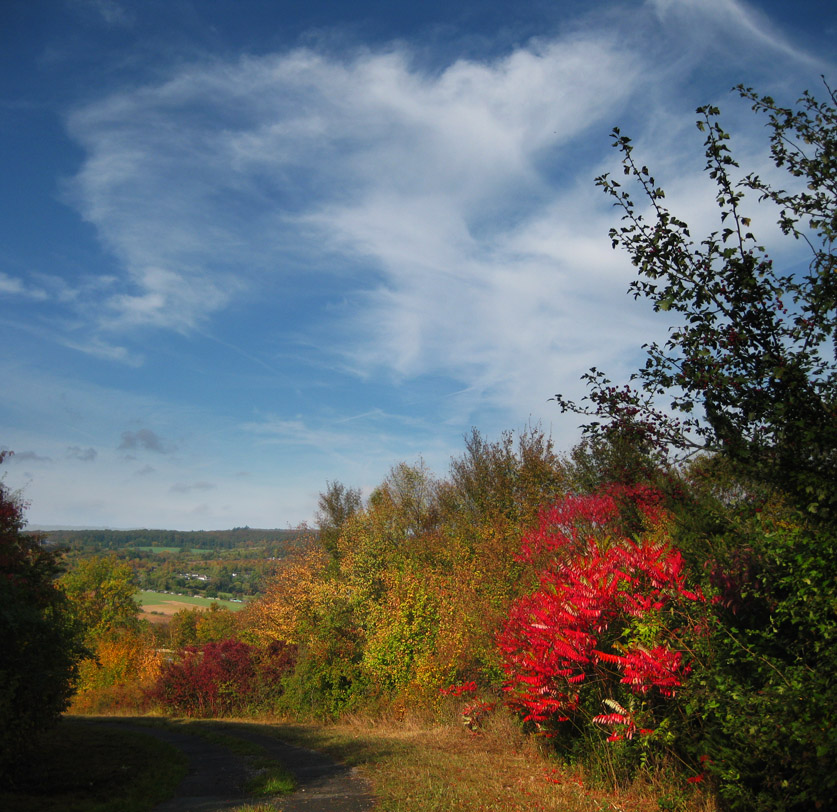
(592, 580)
(223, 678)
(208, 681)
(458, 690)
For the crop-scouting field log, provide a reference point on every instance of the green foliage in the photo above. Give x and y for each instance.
(39, 639)
(97, 541)
(328, 679)
(190, 627)
(766, 694)
(101, 591)
(497, 482)
(403, 632)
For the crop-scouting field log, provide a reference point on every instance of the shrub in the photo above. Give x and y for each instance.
(603, 639)
(124, 665)
(763, 700)
(224, 678)
(211, 680)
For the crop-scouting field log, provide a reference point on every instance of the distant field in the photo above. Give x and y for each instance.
(159, 605)
(164, 549)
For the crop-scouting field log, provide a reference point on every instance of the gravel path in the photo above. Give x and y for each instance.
(216, 777)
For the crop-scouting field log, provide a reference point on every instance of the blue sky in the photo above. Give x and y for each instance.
(247, 247)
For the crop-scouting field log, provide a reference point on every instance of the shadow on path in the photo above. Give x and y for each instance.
(217, 776)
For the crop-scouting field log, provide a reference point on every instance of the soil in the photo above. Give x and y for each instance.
(216, 777)
(163, 612)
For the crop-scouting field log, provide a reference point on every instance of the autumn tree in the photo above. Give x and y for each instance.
(101, 590)
(336, 505)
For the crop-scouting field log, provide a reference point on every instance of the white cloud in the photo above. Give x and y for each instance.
(408, 177)
(451, 210)
(100, 348)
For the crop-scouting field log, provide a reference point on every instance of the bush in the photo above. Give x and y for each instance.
(603, 641)
(223, 679)
(764, 700)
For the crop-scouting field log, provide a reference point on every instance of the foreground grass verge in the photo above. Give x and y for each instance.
(417, 767)
(80, 767)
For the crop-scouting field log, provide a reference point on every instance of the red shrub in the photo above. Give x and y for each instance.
(604, 612)
(224, 678)
(212, 680)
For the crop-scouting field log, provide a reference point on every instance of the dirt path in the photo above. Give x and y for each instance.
(216, 777)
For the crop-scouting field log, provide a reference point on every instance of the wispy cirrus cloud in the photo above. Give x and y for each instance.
(408, 178)
(447, 210)
(736, 21)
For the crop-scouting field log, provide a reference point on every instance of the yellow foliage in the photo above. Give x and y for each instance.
(123, 666)
(291, 593)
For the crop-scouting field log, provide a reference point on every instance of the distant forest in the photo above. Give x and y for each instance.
(186, 539)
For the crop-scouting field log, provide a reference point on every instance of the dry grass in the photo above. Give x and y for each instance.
(418, 767)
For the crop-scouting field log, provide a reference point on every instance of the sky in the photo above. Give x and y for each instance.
(249, 247)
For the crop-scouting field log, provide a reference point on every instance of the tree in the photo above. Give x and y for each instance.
(336, 505)
(750, 371)
(101, 591)
(40, 641)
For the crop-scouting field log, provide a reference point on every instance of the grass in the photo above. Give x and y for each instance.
(421, 767)
(163, 549)
(417, 766)
(80, 767)
(148, 598)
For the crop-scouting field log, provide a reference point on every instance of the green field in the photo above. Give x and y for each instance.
(146, 598)
(149, 549)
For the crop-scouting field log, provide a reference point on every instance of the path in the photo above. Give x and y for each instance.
(216, 775)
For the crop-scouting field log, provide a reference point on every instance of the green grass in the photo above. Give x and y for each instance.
(419, 766)
(163, 549)
(79, 767)
(147, 598)
(412, 766)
